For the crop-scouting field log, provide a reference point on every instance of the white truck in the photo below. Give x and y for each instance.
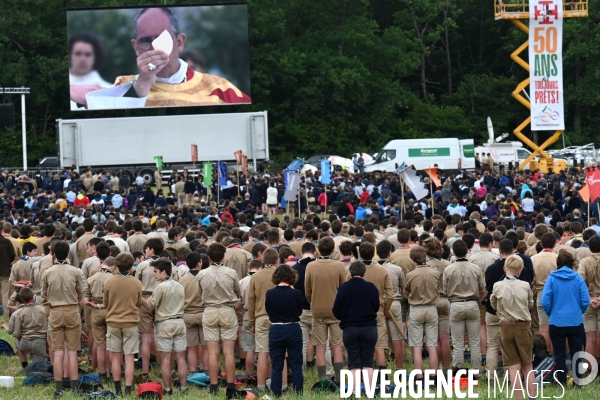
(448, 154)
(130, 144)
(504, 153)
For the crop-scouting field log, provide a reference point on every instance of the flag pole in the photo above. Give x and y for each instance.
(299, 214)
(402, 201)
(431, 189)
(218, 184)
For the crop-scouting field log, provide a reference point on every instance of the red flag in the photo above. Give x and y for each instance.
(592, 176)
(433, 174)
(238, 157)
(245, 164)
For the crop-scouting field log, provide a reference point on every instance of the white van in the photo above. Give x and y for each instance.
(448, 154)
(504, 152)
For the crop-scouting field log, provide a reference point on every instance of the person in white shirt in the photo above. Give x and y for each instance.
(272, 200)
(528, 203)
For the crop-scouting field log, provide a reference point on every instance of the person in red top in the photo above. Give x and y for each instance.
(323, 202)
(364, 196)
(226, 216)
(81, 200)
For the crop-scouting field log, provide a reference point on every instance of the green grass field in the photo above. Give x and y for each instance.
(11, 365)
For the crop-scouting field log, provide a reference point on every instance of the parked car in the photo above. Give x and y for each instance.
(48, 163)
(316, 160)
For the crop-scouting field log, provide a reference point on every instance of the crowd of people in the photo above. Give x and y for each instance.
(492, 266)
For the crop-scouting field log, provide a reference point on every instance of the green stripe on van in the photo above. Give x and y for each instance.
(429, 152)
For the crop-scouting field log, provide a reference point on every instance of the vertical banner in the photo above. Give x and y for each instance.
(325, 172)
(194, 153)
(291, 185)
(545, 65)
(207, 171)
(222, 174)
(592, 177)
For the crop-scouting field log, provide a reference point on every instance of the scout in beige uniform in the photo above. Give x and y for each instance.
(257, 314)
(220, 291)
(464, 287)
(434, 251)
(145, 274)
(246, 337)
(81, 244)
(401, 257)
(543, 264)
(62, 287)
(93, 297)
(422, 285)
(483, 259)
(122, 299)
(512, 299)
(21, 270)
(323, 278)
(168, 301)
(398, 283)
(589, 269)
(380, 277)
(192, 313)
(29, 327)
(137, 241)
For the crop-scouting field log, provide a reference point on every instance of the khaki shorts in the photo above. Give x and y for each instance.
(247, 340)
(123, 340)
(382, 336)
(516, 342)
(396, 311)
(170, 335)
(591, 320)
(146, 324)
(542, 316)
(443, 309)
(98, 319)
(262, 326)
(194, 335)
(422, 325)
(64, 325)
(320, 327)
(219, 323)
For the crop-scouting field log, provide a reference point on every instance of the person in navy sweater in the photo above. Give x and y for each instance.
(284, 306)
(356, 306)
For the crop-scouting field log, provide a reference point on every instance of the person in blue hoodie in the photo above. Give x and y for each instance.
(360, 212)
(565, 298)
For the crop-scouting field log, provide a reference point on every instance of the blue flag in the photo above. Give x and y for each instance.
(325, 172)
(400, 168)
(296, 164)
(222, 174)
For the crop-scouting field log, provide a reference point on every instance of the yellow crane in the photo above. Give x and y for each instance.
(516, 11)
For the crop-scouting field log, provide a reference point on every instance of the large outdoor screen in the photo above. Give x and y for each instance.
(158, 57)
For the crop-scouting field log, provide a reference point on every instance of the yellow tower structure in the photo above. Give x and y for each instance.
(516, 11)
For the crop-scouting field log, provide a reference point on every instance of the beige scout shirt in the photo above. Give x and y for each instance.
(401, 258)
(422, 285)
(570, 249)
(257, 292)
(238, 260)
(81, 245)
(167, 301)
(321, 283)
(145, 274)
(95, 286)
(30, 322)
(589, 269)
(89, 265)
(439, 265)
(193, 300)
(136, 242)
(543, 264)
(219, 286)
(244, 287)
(583, 252)
(463, 281)
(20, 271)
(62, 285)
(380, 277)
(483, 258)
(396, 277)
(512, 299)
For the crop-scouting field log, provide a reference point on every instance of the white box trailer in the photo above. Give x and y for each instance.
(504, 153)
(448, 154)
(130, 144)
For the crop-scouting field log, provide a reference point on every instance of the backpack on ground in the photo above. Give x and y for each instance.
(38, 366)
(150, 390)
(199, 379)
(38, 378)
(89, 383)
(6, 349)
(104, 394)
(544, 371)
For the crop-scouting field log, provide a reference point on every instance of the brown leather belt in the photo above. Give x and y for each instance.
(514, 323)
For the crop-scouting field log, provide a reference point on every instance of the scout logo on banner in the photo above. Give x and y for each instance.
(545, 65)
(592, 177)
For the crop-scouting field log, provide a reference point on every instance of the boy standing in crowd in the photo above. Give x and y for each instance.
(122, 299)
(167, 302)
